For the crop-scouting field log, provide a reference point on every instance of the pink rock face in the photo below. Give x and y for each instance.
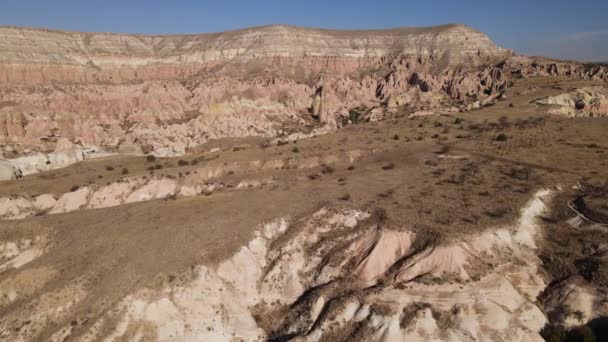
(168, 94)
(381, 250)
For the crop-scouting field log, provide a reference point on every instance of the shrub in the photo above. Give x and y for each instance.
(501, 137)
(457, 121)
(171, 197)
(182, 162)
(109, 168)
(354, 116)
(344, 197)
(325, 169)
(151, 158)
(521, 173)
(496, 212)
(196, 161)
(389, 166)
(74, 188)
(295, 150)
(124, 171)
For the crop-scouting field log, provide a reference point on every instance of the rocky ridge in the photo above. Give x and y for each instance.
(166, 95)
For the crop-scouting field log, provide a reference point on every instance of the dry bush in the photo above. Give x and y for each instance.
(326, 169)
(388, 166)
(501, 137)
(344, 197)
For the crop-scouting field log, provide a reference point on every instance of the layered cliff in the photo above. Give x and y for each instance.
(167, 95)
(30, 56)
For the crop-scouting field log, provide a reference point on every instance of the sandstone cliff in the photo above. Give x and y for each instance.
(168, 94)
(30, 56)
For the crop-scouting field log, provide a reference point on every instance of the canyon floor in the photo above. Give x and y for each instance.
(460, 226)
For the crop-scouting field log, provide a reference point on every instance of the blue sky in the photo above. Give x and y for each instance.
(563, 29)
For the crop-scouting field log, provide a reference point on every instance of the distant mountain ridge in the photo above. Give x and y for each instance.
(25, 53)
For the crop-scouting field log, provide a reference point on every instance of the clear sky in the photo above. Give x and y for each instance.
(564, 29)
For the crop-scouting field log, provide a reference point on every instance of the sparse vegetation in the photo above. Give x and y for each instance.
(501, 137)
(344, 197)
(326, 169)
(388, 166)
(313, 176)
(196, 161)
(497, 212)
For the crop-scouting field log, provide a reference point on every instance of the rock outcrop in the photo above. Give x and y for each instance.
(31, 56)
(367, 282)
(590, 101)
(166, 95)
(7, 170)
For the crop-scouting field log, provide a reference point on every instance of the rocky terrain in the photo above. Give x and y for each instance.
(282, 183)
(167, 95)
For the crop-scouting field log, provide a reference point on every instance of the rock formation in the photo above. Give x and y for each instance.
(484, 226)
(591, 101)
(168, 94)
